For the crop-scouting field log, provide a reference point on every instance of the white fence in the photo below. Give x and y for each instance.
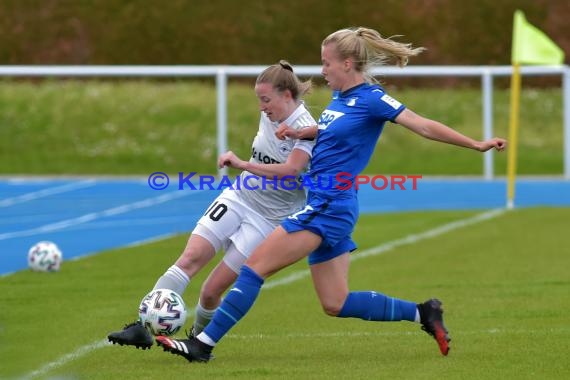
(222, 73)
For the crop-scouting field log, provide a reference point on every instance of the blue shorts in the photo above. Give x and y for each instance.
(332, 219)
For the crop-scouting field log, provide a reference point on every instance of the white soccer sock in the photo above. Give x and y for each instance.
(174, 279)
(202, 318)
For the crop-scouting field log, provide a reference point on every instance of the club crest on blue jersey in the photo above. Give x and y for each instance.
(351, 102)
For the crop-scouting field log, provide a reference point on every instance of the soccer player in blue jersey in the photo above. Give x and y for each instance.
(348, 130)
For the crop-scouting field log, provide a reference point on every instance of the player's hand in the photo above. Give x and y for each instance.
(496, 142)
(231, 160)
(284, 131)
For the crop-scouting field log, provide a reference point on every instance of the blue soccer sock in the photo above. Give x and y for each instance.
(372, 306)
(236, 304)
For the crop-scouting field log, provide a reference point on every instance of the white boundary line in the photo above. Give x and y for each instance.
(389, 246)
(81, 351)
(389, 333)
(380, 249)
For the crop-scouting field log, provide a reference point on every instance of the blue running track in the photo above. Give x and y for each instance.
(86, 216)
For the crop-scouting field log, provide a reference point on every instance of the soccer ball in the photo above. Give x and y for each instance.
(162, 312)
(44, 256)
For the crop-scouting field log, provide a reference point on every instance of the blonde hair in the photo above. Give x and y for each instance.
(282, 77)
(368, 48)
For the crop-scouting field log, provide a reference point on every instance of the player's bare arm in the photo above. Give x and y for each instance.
(434, 130)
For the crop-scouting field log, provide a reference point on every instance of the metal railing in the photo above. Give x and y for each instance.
(222, 73)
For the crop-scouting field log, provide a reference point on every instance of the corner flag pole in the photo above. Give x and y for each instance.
(530, 46)
(513, 134)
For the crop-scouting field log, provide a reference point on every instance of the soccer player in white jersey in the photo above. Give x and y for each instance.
(348, 131)
(242, 216)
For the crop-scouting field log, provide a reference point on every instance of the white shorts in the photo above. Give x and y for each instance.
(233, 226)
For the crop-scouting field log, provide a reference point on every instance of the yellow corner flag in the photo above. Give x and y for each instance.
(530, 46)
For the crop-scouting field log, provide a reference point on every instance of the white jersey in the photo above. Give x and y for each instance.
(274, 203)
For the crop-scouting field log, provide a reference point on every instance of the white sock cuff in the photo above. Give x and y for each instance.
(178, 273)
(202, 337)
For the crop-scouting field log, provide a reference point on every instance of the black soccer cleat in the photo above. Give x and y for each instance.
(431, 316)
(133, 334)
(192, 349)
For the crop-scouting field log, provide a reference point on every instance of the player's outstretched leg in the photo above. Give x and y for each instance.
(431, 316)
(191, 349)
(133, 334)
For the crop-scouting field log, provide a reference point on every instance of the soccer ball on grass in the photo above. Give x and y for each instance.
(44, 256)
(162, 312)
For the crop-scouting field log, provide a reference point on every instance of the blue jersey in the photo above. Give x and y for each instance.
(349, 129)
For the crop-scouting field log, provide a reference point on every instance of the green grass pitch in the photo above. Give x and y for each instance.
(504, 283)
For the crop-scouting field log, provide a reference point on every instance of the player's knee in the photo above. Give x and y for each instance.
(185, 260)
(192, 260)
